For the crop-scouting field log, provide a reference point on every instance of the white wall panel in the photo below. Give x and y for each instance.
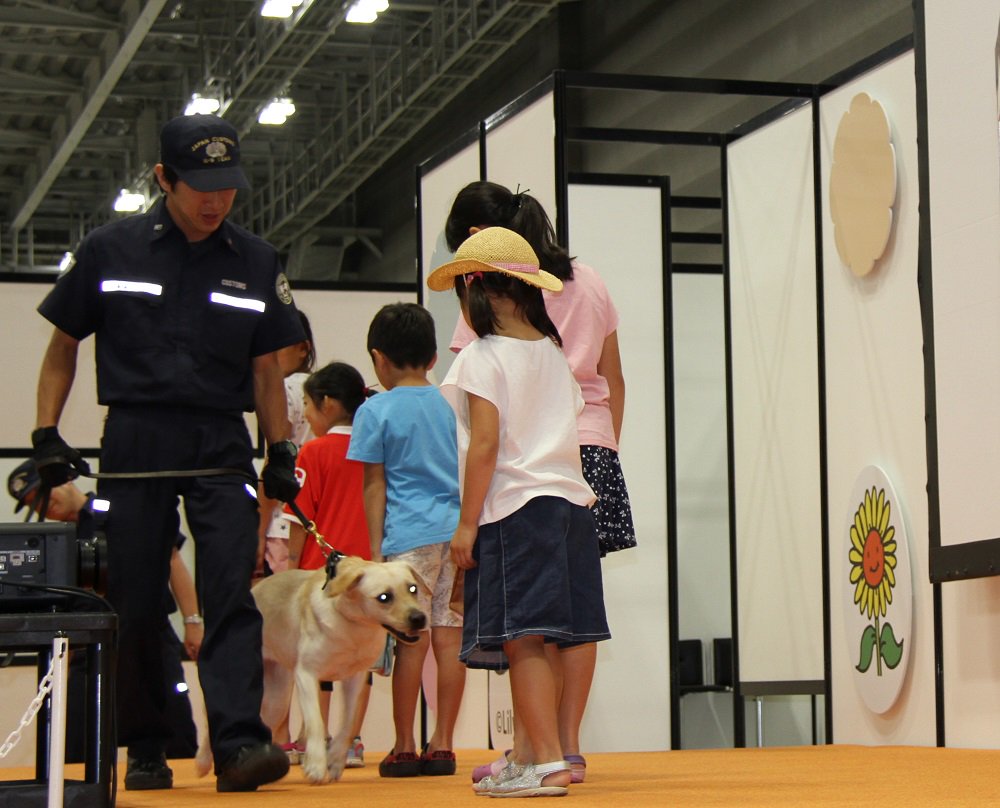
(965, 254)
(617, 230)
(875, 412)
(521, 152)
(775, 402)
(438, 188)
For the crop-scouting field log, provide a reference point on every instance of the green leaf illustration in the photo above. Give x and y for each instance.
(891, 650)
(868, 639)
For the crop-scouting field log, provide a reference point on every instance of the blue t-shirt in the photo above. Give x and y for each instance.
(411, 432)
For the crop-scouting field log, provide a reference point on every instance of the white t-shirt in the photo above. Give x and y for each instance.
(532, 387)
(301, 432)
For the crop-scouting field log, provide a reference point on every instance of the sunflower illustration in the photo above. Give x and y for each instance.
(873, 564)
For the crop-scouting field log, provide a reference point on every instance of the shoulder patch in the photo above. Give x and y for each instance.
(283, 289)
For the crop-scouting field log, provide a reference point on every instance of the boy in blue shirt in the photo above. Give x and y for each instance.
(407, 440)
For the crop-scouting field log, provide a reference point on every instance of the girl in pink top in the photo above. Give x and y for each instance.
(588, 323)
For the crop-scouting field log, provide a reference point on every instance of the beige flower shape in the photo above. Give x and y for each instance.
(862, 184)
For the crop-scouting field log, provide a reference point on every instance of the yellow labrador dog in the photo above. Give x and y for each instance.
(333, 630)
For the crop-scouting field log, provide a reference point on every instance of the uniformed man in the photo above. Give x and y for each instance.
(188, 311)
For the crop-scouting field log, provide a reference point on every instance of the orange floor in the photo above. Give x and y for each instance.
(878, 777)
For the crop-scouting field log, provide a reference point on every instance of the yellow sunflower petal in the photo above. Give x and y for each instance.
(890, 559)
(855, 556)
(859, 592)
(856, 573)
(859, 545)
(890, 576)
(884, 520)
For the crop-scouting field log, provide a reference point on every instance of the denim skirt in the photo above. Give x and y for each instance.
(538, 572)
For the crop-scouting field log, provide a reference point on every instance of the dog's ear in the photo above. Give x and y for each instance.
(350, 571)
(420, 581)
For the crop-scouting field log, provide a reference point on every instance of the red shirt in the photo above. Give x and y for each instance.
(332, 497)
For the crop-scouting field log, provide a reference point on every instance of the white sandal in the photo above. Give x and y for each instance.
(527, 782)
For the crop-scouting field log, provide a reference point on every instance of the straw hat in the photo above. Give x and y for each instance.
(494, 249)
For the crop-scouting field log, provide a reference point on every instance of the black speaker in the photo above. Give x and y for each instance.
(722, 659)
(689, 665)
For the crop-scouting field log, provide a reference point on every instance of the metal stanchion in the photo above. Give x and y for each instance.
(57, 721)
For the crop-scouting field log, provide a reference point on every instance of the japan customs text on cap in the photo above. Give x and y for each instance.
(204, 150)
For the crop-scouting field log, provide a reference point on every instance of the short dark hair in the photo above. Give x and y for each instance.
(404, 332)
(169, 176)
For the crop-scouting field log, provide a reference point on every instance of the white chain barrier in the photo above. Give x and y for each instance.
(54, 681)
(44, 687)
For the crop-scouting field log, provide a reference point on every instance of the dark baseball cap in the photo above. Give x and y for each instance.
(22, 481)
(204, 150)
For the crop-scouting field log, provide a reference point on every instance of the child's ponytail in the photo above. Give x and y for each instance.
(339, 381)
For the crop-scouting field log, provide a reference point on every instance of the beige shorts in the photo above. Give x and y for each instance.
(433, 563)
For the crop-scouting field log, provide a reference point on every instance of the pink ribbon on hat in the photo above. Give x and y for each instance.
(527, 268)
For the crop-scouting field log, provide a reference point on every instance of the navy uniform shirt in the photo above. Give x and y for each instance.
(175, 323)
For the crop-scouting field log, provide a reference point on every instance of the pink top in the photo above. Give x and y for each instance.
(585, 316)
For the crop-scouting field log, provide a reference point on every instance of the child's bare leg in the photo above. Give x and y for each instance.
(406, 675)
(533, 687)
(447, 642)
(577, 665)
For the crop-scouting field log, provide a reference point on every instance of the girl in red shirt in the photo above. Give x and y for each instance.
(331, 492)
(332, 497)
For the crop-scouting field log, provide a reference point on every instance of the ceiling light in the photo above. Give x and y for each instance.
(279, 9)
(201, 105)
(276, 112)
(128, 202)
(366, 10)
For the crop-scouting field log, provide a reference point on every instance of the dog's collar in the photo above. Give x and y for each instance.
(331, 566)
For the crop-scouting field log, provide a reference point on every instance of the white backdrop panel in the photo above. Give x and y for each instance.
(618, 231)
(521, 152)
(965, 241)
(875, 411)
(965, 253)
(775, 402)
(21, 355)
(701, 456)
(438, 188)
(340, 321)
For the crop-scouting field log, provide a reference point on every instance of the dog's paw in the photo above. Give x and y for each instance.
(314, 767)
(336, 756)
(336, 768)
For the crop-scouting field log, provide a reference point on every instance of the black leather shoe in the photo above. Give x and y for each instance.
(147, 775)
(252, 766)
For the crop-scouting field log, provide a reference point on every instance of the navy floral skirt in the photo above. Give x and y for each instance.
(612, 511)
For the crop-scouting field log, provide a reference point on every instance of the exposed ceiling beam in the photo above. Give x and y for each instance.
(83, 110)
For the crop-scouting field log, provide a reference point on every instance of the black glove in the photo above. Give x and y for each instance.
(57, 462)
(279, 473)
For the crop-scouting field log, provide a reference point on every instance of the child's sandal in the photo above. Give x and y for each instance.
(528, 782)
(578, 765)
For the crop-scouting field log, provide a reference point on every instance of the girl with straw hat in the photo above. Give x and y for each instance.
(526, 538)
(587, 319)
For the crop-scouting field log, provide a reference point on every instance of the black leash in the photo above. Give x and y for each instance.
(333, 555)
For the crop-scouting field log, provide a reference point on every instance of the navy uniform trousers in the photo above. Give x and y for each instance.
(142, 528)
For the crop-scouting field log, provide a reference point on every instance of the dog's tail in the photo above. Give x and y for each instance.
(203, 757)
(203, 760)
